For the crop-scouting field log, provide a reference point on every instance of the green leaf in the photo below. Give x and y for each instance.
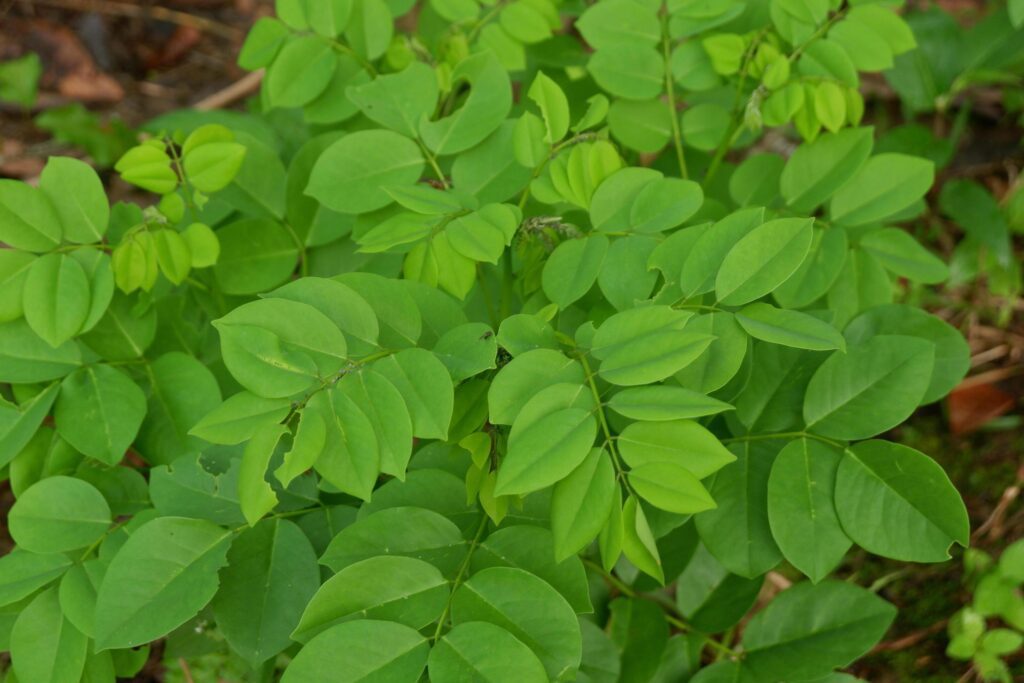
(638, 543)
(580, 504)
(479, 651)
(370, 28)
(77, 194)
(641, 125)
(523, 22)
(255, 494)
(160, 578)
(545, 451)
(488, 103)
(737, 531)
(704, 126)
(818, 169)
(182, 391)
(710, 597)
(427, 388)
(24, 359)
(952, 355)
(276, 348)
(239, 417)
(490, 171)
(350, 175)
(670, 486)
(530, 548)
(350, 460)
(271, 573)
(634, 72)
(801, 509)
(789, 328)
(817, 273)
(678, 442)
(360, 651)
(528, 608)
(58, 514)
(653, 357)
(763, 259)
(394, 588)
(300, 72)
(22, 573)
(872, 388)
(212, 166)
(884, 186)
(262, 43)
(347, 309)
(902, 254)
(897, 502)
(56, 298)
(99, 412)
(44, 646)
(525, 376)
(808, 630)
(553, 105)
(256, 254)
(28, 220)
(398, 101)
(14, 267)
(663, 403)
(19, 425)
(619, 22)
(705, 257)
(573, 267)
(467, 350)
(400, 531)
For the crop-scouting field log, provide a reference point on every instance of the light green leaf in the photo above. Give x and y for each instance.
(350, 460)
(56, 298)
(28, 220)
(634, 72)
(653, 357)
(897, 502)
(902, 254)
(255, 494)
(44, 646)
(525, 376)
(58, 514)
(23, 358)
(77, 194)
(670, 486)
(350, 175)
(239, 417)
(580, 504)
(763, 259)
(661, 403)
(818, 169)
(572, 268)
(398, 101)
(680, 442)
(638, 543)
(426, 386)
(488, 103)
(545, 451)
(22, 573)
(160, 578)
(300, 72)
(554, 107)
(884, 186)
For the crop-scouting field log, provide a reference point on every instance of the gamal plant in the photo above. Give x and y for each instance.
(469, 354)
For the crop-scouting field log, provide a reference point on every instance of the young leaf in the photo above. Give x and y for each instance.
(56, 298)
(763, 260)
(58, 514)
(358, 651)
(77, 194)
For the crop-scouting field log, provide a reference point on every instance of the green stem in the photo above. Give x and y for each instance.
(432, 160)
(463, 568)
(303, 261)
(784, 435)
(677, 135)
(603, 419)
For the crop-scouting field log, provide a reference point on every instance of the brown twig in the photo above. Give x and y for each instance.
(911, 639)
(243, 87)
(994, 521)
(124, 9)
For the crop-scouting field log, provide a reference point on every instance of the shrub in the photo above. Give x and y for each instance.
(407, 375)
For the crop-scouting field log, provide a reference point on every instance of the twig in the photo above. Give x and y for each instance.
(999, 513)
(243, 87)
(910, 639)
(185, 670)
(124, 9)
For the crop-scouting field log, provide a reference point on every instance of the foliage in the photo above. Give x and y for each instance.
(996, 595)
(394, 368)
(19, 79)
